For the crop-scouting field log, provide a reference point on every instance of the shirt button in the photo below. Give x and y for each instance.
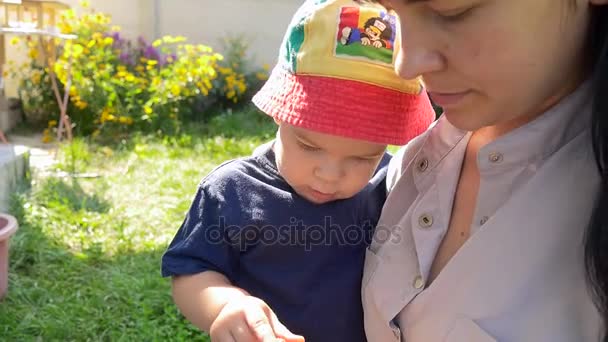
(396, 332)
(483, 220)
(422, 164)
(425, 221)
(418, 283)
(495, 158)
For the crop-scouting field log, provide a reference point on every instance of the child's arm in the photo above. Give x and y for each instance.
(201, 297)
(211, 303)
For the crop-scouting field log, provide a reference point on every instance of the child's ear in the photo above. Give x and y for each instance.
(277, 121)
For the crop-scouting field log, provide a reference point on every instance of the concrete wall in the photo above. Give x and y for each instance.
(262, 22)
(133, 16)
(14, 164)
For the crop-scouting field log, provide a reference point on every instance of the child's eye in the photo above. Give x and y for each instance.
(364, 160)
(308, 147)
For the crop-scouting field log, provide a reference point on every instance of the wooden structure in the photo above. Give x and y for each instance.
(36, 18)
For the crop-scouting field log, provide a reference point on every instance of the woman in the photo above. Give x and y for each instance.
(498, 214)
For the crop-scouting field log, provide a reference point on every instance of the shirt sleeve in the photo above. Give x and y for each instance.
(201, 243)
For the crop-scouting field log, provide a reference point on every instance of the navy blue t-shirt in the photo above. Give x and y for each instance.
(303, 259)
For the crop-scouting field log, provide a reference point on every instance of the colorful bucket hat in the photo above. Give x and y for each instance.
(335, 75)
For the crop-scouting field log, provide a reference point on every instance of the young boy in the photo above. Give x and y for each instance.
(274, 244)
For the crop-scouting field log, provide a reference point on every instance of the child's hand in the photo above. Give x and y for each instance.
(249, 319)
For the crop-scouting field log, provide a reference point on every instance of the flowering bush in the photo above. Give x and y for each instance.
(120, 85)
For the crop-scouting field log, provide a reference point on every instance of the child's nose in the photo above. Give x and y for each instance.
(329, 172)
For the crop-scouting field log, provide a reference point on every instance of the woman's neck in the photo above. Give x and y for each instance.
(488, 134)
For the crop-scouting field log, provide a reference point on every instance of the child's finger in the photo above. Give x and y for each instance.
(281, 331)
(242, 333)
(223, 337)
(260, 324)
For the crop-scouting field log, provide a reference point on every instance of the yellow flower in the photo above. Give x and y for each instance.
(152, 62)
(47, 139)
(157, 43)
(15, 41)
(147, 110)
(175, 90)
(36, 77)
(125, 120)
(47, 136)
(65, 28)
(81, 104)
(100, 18)
(108, 41)
(33, 53)
(130, 78)
(105, 113)
(85, 4)
(52, 123)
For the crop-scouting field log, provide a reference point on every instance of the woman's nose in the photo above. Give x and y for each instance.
(417, 61)
(419, 52)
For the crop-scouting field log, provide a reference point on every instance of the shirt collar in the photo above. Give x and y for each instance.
(543, 136)
(529, 143)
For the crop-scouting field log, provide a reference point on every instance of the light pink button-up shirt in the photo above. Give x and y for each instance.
(520, 276)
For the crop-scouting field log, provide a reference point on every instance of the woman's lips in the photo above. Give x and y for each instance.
(447, 99)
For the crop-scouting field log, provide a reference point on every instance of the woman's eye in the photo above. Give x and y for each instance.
(456, 15)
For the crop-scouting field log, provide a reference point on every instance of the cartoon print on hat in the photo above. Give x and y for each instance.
(366, 33)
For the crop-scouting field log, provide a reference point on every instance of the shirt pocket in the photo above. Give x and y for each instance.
(464, 329)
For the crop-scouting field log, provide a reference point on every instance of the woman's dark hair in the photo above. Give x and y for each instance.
(596, 240)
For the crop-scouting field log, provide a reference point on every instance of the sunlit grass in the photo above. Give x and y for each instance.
(85, 262)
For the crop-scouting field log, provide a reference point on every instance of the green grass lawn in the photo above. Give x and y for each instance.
(85, 264)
